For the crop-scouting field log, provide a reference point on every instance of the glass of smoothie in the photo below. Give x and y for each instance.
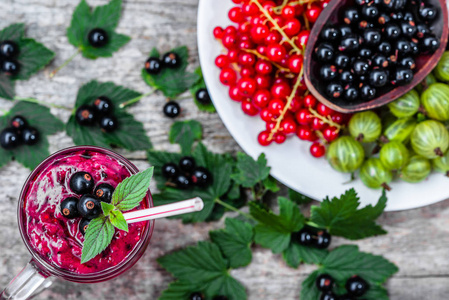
(54, 241)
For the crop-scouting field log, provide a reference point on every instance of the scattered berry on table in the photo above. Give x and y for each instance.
(69, 208)
(196, 296)
(356, 286)
(323, 239)
(304, 237)
(172, 109)
(182, 182)
(328, 296)
(85, 115)
(103, 105)
(108, 123)
(30, 136)
(325, 282)
(171, 60)
(10, 67)
(104, 192)
(201, 177)
(202, 96)
(170, 170)
(153, 65)
(98, 37)
(19, 122)
(187, 164)
(89, 207)
(10, 138)
(81, 183)
(9, 49)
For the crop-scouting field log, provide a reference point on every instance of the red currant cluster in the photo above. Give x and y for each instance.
(263, 68)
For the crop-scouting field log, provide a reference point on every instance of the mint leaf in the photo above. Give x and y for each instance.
(172, 82)
(202, 266)
(296, 254)
(220, 167)
(98, 236)
(185, 133)
(234, 242)
(107, 208)
(298, 198)
(274, 231)
(39, 117)
(33, 56)
(271, 184)
(105, 17)
(200, 84)
(130, 134)
(342, 217)
(130, 192)
(118, 220)
(249, 171)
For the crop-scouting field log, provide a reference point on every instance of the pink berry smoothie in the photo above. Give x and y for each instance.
(56, 239)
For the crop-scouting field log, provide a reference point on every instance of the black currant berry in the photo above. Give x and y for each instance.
(323, 239)
(170, 170)
(153, 65)
(187, 164)
(378, 78)
(328, 72)
(385, 48)
(9, 49)
(19, 122)
(30, 136)
(384, 18)
(367, 92)
(409, 16)
(372, 37)
(346, 297)
(345, 30)
(428, 13)
(351, 93)
(422, 30)
(407, 62)
(304, 236)
(82, 225)
(394, 5)
(334, 90)
(182, 182)
(220, 298)
(414, 48)
(408, 28)
(324, 52)
(85, 115)
(429, 44)
(403, 47)
(356, 286)
(328, 296)
(98, 38)
(351, 16)
(104, 192)
(108, 123)
(365, 53)
(402, 76)
(10, 138)
(171, 60)
(69, 208)
(380, 60)
(10, 67)
(103, 106)
(342, 60)
(360, 67)
(89, 207)
(201, 177)
(370, 12)
(330, 34)
(172, 109)
(349, 44)
(392, 31)
(346, 77)
(325, 282)
(81, 183)
(202, 96)
(196, 296)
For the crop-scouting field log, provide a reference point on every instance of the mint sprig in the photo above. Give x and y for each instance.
(127, 195)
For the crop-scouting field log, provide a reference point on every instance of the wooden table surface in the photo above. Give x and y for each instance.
(417, 241)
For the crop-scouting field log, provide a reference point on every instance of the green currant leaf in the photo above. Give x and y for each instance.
(118, 220)
(202, 266)
(98, 237)
(130, 133)
(130, 192)
(105, 17)
(172, 82)
(6, 87)
(249, 171)
(271, 184)
(234, 242)
(200, 84)
(308, 287)
(296, 253)
(180, 290)
(298, 198)
(38, 117)
(185, 133)
(274, 231)
(33, 56)
(14, 32)
(342, 217)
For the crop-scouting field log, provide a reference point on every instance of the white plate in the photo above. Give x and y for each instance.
(291, 162)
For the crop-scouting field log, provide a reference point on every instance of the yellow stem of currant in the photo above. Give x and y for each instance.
(287, 105)
(267, 59)
(278, 9)
(276, 25)
(327, 120)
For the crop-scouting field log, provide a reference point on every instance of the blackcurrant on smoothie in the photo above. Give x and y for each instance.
(57, 239)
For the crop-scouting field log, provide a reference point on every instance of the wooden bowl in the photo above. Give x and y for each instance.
(424, 63)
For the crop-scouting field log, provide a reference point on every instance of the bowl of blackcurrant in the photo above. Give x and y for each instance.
(363, 54)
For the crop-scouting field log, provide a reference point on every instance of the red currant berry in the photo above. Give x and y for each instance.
(306, 134)
(310, 101)
(247, 86)
(257, 21)
(317, 150)
(230, 41)
(318, 124)
(247, 72)
(230, 30)
(299, 10)
(259, 33)
(249, 109)
(292, 27)
(273, 38)
(289, 12)
(281, 90)
(278, 20)
(250, 9)
(276, 52)
(288, 126)
(233, 56)
(268, 6)
(330, 133)
(245, 27)
(228, 76)
(247, 59)
(262, 49)
(261, 98)
(304, 117)
(324, 3)
(337, 117)
(313, 12)
(270, 126)
(222, 61)
(295, 104)
(234, 94)
(295, 63)
(279, 138)
(323, 110)
(235, 15)
(263, 82)
(276, 106)
(218, 32)
(264, 138)
(303, 38)
(266, 115)
(263, 67)
(245, 45)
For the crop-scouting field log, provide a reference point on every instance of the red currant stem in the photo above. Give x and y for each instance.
(306, 22)
(32, 100)
(278, 9)
(287, 105)
(320, 136)
(267, 59)
(230, 207)
(137, 99)
(324, 119)
(53, 73)
(276, 25)
(180, 98)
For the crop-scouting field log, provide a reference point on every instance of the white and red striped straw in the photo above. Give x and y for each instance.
(163, 211)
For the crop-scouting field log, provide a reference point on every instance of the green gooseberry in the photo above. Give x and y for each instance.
(345, 154)
(365, 126)
(394, 155)
(405, 106)
(416, 170)
(441, 71)
(441, 164)
(374, 174)
(430, 139)
(400, 130)
(435, 101)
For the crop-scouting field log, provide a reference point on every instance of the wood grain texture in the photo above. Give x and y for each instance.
(417, 240)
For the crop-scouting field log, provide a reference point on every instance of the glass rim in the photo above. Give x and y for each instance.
(103, 275)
